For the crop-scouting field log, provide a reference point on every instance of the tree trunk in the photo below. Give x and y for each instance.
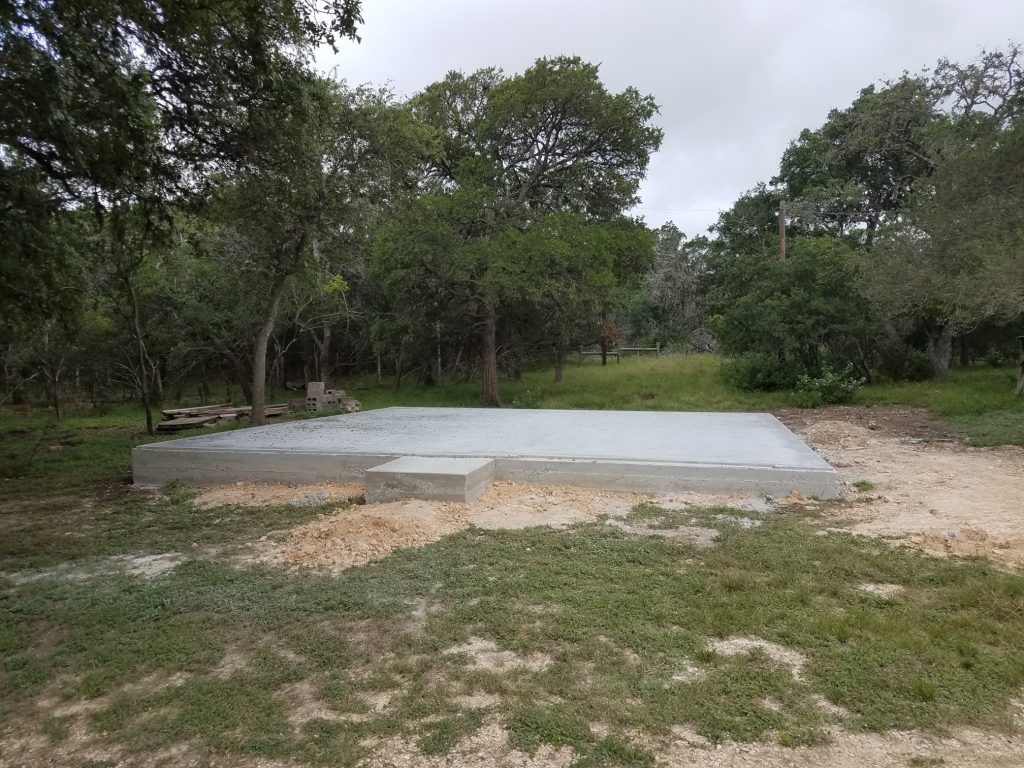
(439, 370)
(204, 386)
(490, 357)
(1020, 376)
(965, 350)
(604, 350)
(141, 351)
(54, 396)
(940, 351)
(560, 353)
(324, 355)
(259, 354)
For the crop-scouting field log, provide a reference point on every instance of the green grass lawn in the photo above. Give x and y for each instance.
(620, 628)
(978, 402)
(618, 631)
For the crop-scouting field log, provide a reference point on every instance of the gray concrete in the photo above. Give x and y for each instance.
(652, 451)
(429, 477)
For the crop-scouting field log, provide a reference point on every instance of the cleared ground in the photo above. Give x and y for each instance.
(548, 627)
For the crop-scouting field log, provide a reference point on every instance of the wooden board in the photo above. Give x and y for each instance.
(174, 425)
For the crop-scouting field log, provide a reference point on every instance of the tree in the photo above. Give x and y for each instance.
(861, 166)
(955, 258)
(669, 305)
(550, 140)
(574, 268)
(321, 161)
(123, 108)
(793, 311)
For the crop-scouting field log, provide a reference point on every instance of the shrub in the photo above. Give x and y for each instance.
(760, 372)
(830, 387)
(901, 362)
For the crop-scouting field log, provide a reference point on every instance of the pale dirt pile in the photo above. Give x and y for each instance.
(272, 494)
(941, 497)
(360, 534)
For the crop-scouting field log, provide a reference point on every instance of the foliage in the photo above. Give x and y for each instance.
(489, 241)
(801, 311)
(669, 307)
(114, 105)
(760, 372)
(922, 178)
(830, 388)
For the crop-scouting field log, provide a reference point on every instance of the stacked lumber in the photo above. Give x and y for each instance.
(177, 419)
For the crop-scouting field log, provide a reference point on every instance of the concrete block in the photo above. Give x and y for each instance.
(429, 477)
(643, 451)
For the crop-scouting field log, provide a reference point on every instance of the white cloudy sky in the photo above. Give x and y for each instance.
(736, 79)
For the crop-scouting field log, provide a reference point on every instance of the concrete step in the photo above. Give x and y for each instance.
(429, 477)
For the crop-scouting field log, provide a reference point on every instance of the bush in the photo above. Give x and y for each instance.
(829, 388)
(759, 372)
(901, 362)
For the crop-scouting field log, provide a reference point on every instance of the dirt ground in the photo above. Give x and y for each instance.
(926, 489)
(905, 479)
(362, 533)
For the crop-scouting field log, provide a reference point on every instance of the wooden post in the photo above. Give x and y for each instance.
(1020, 376)
(782, 230)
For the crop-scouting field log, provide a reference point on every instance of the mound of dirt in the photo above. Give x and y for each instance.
(271, 494)
(361, 534)
(839, 434)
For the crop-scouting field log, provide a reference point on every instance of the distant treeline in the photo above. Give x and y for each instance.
(183, 211)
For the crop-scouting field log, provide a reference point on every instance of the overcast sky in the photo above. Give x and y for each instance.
(736, 80)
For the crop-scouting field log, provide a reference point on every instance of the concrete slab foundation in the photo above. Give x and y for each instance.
(428, 477)
(645, 451)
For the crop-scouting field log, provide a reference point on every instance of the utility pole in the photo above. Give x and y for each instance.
(782, 230)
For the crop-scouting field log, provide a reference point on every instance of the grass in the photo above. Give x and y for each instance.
(618, 617)
(978, 402)
(615, 616)
(671, 383)
(86, 451)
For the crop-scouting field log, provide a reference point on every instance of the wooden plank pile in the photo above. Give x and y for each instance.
(177, 419)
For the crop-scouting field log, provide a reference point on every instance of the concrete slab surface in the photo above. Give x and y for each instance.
(429, 477)
(646, 451)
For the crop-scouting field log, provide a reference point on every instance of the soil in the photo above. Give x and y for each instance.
(927, 490)
(362, 533)
(271, 494)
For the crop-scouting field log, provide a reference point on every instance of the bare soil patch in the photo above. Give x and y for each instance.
(926, 490)
(143, 566)
(486, 748)
(784, 657)
(896, 749)
(359, 534)
(485, 654)
(271, 494)
(363, 533)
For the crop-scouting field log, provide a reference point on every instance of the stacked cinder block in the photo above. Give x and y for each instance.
(318, 398)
